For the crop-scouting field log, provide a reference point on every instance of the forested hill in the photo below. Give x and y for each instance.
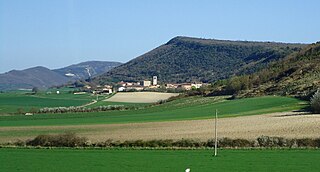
(297, 74)
(185, 59)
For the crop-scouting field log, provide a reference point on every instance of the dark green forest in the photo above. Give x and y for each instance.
(185, 59)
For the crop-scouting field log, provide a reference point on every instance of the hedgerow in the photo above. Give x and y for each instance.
(72, 140)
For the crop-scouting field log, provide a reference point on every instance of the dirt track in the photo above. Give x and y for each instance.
(290, 125)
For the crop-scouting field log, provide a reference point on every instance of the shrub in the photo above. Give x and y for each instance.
(41, 140)
(61, 140)
(185, 143)
(306, 142)
(227, 142)
(210, 143)
(315, 102)
(242, 143)
(19, 143)
(266, 141)
(317, 142)
(224, 142)
(73, 109)
(71, 140)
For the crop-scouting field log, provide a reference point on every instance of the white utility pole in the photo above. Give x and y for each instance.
(215, 134)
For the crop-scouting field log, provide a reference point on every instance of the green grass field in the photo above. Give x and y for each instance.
(11, 102)
(181, 109)
(157, 160)
(22, 101)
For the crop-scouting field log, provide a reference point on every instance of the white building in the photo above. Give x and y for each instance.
(155, 80)
(107, 90)
(120, 89)
(146, 83)
(195, 85)
(135, 87)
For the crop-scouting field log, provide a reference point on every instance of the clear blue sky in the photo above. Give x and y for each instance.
(57, 33)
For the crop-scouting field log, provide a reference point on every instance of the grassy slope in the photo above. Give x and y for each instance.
(181, 109)
(297, 74)
(158, 160)
(10, 102)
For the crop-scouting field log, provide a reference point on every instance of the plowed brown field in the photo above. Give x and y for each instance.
(288, 124)
(140, 97)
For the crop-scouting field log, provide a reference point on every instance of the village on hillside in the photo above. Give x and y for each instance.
(141, 86)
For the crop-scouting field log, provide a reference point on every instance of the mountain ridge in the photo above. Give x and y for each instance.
(87, 69)
(39, 76)
(187, 59)
(43, 77)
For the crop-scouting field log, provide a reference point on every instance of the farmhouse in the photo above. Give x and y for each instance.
(154, 86)
(107, 90)
(146, 83)
(171, 86)
(195, 85)
(185, 86)
(87, 86)
(120, 89)
(125, 84)
(135, 88)
(108, 86)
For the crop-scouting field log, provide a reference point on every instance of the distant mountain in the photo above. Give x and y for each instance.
(42, 77)
(87, 69)
(185, 59)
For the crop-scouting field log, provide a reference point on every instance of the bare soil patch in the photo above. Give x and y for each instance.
(140, 97)
(288, 124)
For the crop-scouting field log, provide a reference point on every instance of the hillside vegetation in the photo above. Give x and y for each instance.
(297, 74)
(185, 59)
